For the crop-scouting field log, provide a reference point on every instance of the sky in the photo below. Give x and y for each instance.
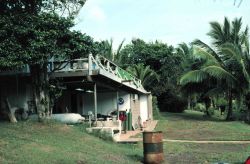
(168, 21)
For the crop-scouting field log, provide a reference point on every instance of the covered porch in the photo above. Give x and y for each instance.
(98, 89)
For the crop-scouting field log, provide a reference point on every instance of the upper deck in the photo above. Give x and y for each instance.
(95, 67)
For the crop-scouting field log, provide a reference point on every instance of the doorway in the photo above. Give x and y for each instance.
(74, 103)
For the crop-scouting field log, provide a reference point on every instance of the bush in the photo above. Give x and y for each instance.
(156, 111)
(199, 107)
(171, 102)
(221, 102)
(211, 111)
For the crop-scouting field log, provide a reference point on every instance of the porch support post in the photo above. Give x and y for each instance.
(117, 104)
(95, 102)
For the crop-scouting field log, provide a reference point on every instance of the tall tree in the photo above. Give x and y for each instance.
(106, 49)
(227, 63)
(145, 74)
(165, 61)
(32, 32)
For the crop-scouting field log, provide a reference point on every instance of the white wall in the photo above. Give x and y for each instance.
(126, 105)
(144, 107)
(106, 103)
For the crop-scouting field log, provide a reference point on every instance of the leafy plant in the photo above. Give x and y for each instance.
(199, 107)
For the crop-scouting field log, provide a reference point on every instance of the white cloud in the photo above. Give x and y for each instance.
(96, 13)
(92, 11)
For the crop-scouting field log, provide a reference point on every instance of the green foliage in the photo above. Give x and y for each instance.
(145, 74)
(224, 68)
(211, 111)
(199, 107)
(221, 102)
(106, 49)
(32, 32)
(160, 58)
(172, 102)
(66, 8)
(156, 111)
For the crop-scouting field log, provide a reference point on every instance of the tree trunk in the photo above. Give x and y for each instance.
(207, 102)
(40, 85)
(230, 110)
(189, 102)
(11, 111)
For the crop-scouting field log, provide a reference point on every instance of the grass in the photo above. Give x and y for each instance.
(206, 153)
(33, 142)
(191, 125)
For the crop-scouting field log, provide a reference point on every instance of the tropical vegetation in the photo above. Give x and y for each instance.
(188, 76)
(224, 69)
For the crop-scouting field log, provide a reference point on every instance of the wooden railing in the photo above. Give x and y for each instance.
(95, 63)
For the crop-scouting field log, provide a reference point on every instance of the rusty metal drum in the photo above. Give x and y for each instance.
(153, 147)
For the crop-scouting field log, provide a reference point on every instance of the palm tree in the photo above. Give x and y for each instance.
(227, 37)
(144, 73)
(186, 52)
(207, 76)
(107, 50)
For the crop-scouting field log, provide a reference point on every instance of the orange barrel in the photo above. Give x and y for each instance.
(153, 147)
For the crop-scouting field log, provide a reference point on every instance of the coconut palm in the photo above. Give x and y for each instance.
(230, 69)
(107, 50)
(144, 73)
(208, 76)
(228, 39)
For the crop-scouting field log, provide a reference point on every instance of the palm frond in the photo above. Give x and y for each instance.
(184, 48)
(231, 51)
(226, 29)
(203, 54)
(201, 44)
(235, 34)
(220, 74)
(214, 92)
(195, 76)
(216, 33)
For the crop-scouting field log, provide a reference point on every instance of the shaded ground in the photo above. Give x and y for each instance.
(192, 125)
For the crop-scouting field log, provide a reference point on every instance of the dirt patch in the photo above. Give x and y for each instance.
(112, 158)
(64, 128)
(3, 143)
(81, 162)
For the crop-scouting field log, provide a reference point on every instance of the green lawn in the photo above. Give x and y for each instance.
(33, 142)
(189, 153)
(191, 125)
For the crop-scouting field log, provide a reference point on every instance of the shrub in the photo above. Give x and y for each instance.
(221, 102)
(156, 111)
(199, 107)
(172, 102)
(211, 111)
